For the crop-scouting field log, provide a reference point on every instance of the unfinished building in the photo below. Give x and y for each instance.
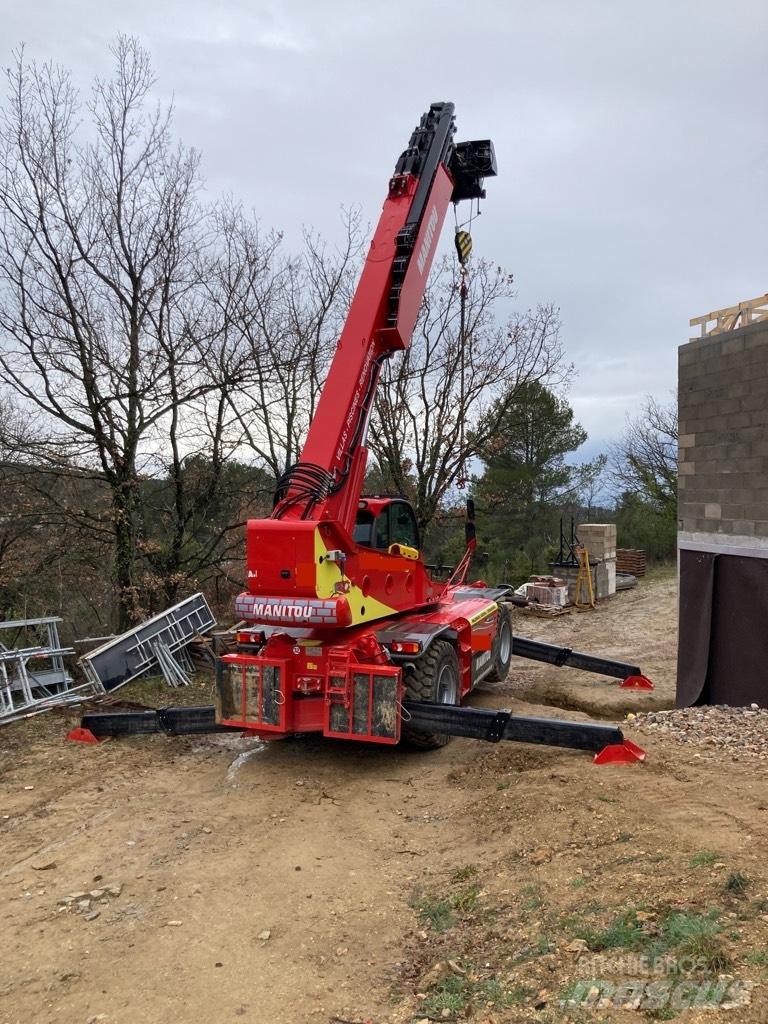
(723, 509)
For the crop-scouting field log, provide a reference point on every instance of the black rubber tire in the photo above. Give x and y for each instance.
(421, 683)
(500, 669)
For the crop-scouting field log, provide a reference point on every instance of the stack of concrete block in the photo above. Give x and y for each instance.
(600, 541)
(570, 574)
(551, 591)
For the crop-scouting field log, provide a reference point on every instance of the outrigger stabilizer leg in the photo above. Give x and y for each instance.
(607, 742)
(631, 676)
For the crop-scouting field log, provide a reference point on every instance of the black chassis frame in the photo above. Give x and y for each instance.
(476, 723)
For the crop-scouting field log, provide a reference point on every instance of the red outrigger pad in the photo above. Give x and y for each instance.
(636, 683)
(81, 735)
(620, 753)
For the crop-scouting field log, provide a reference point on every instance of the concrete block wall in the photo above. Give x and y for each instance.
(723, 444)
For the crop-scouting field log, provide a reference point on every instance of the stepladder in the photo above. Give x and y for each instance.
(584, 593)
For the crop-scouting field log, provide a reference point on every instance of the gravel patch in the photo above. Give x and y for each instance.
(741, 733)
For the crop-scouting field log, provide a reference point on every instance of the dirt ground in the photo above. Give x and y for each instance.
(637, 626)
(324, 881)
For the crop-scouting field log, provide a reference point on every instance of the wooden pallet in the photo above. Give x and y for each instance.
(630, 560)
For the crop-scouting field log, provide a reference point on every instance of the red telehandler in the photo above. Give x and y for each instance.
(347, 633)
(347, 621)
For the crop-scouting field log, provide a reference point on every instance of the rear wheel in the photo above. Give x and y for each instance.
(502, 646)
(434, 677)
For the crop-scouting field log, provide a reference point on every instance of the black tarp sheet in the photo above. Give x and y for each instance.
(723, 633)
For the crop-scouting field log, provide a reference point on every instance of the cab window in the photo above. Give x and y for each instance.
(395, 524)
(381, 530)
(363, 528)
(403, 525)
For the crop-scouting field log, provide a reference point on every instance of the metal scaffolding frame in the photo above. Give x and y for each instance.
(33, 675)
(135, 653)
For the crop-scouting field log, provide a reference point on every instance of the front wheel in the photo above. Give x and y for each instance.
(434, 677)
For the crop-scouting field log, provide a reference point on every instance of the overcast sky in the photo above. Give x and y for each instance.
(632, 140)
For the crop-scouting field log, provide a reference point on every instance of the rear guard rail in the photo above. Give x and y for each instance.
(475, 723)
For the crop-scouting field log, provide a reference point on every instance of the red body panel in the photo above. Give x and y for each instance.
(309, 659)
(283, 572)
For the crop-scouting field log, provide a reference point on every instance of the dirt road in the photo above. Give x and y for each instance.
(638, 626)
(325, 881)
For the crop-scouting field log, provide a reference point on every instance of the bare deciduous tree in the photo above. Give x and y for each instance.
(644, 459)
(289, 312)
(170, 355)
(97, 247)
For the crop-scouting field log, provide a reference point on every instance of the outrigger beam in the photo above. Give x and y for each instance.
(172, 721)
(476, 723)
(494, 726)
(522, 647)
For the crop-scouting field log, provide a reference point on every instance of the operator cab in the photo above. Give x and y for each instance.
(382, 522)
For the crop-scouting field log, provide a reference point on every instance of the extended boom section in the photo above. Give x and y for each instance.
(308, 562)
